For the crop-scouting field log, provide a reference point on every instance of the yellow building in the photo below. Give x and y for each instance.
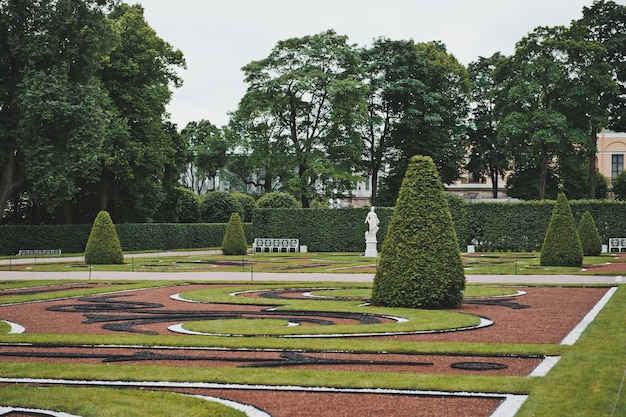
(611, 152)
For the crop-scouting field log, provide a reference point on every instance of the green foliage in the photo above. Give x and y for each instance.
(217, 206)
(277, 200)
(103, 246)
(561, 246)
(618, 185)
(247, 203)
(234, 242)
(307, 97)
(420, 264)
(187, 208)
(589, 236)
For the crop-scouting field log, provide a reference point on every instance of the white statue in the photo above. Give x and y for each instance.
(372, 220)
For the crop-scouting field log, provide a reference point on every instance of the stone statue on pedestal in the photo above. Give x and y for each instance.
(370, 235)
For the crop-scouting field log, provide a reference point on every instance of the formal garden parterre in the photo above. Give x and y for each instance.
(69, 340)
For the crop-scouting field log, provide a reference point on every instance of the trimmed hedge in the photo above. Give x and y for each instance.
(561, 246)
(234, 242)
(132, 236)
(420, 264)
(589, 236)
(491, 226)
(103, 246)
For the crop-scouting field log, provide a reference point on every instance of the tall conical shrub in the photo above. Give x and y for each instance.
(234, 242)
(589, 236)
(561, 245)
(103, 246)
(420, 263)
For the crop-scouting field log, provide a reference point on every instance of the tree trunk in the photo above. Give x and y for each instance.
(13, 176)
(104, 192)
(543, 172)
(592, 163)
(494, 182)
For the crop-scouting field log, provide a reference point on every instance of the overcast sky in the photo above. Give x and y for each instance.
(218, 37)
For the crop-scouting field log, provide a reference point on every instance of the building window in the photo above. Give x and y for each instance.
(617, 165)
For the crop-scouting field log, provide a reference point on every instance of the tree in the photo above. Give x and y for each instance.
(433, 120)
(605, 24)
(53, 110)
(549, 101)
(308, 97)
(589, 236)
(488, 155)
(561, 245)
(234, 242)
(206, 154)
(103, 246)
(394, 70)
(420, 264)
(138, 75)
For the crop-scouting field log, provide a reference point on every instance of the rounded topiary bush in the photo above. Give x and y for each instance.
(561, 245)
(420, 263)
(234, 242)
(187, 205)
(277, 200)
(589, 235)
(103, 246)
(217, 206)
(247, 203)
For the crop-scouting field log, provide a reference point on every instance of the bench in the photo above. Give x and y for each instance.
(38, 252)
(261, 244)
(618, 243)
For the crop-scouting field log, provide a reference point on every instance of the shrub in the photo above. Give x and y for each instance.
(277, 200)
(234, 242)
(589, 236)
(618, 186)
(217, 206)
(187, 205)
(103, 246)
(247, 204)
(561, 245)
(420, 264)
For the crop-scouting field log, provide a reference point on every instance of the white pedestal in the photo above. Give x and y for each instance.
(370, 249)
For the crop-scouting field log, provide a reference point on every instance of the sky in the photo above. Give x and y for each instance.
(219, 37)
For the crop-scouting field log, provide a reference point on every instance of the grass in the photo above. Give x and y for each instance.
(511, 263)
(585, 382)
(109, 402)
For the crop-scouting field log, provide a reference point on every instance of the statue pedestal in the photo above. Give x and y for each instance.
(370, 249)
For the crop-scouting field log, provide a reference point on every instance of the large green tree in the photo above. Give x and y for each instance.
(604, 23)
(434, 119)
(395, 71)
(138, 76)
(307, 96)
(488, 155)
(53, 109)
(206, 154)
(549, 101)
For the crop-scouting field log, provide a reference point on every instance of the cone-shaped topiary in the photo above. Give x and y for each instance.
(103, 246)
(589, 236)
(420, 263)
(234, 242)
(561, 246)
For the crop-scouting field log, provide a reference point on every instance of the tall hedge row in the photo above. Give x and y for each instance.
(133, 237)
(491, 226)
